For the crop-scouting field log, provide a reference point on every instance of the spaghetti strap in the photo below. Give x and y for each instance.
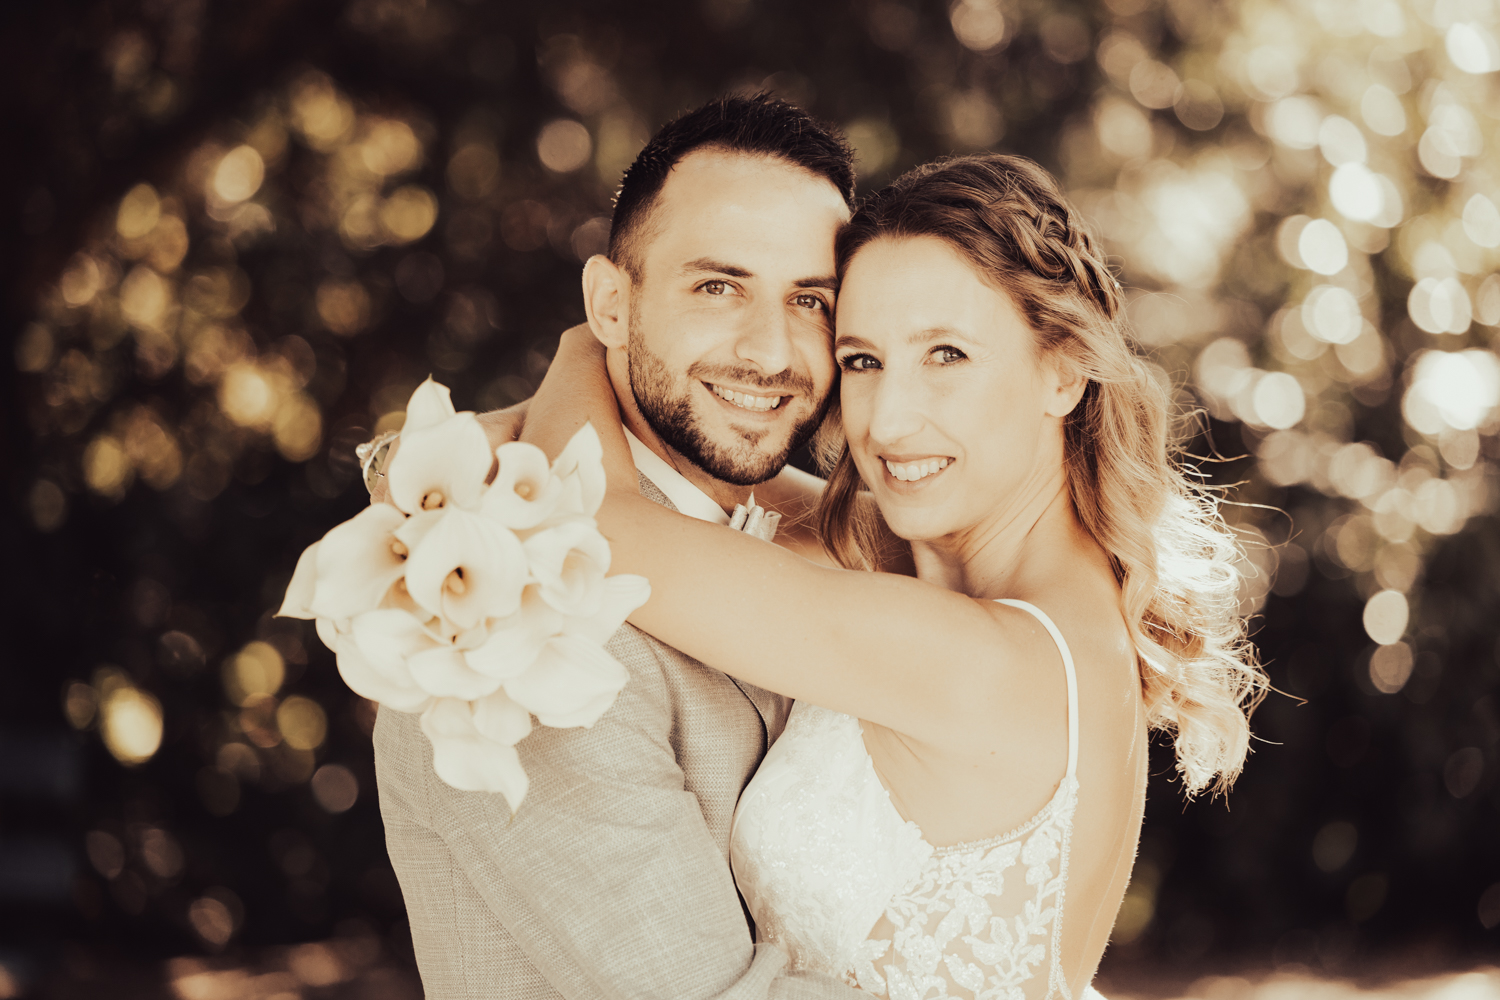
(1067, 657)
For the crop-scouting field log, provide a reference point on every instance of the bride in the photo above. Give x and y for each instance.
(954, 806)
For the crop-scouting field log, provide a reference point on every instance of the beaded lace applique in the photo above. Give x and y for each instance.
(832, 873)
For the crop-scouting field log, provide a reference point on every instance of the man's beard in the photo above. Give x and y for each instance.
(670, 414)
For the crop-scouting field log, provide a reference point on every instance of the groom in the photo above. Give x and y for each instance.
(612, 880)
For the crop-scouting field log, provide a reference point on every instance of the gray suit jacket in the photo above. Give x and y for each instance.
(613, 878)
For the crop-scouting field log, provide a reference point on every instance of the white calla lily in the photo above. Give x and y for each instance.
(441, 466)
(572, 683)
(513, 643)
(429, 406)
(580, 467)
(464, 758)
(622, 594)
(467, 568)
(501, 718)
(372, 658)
(330, 630)
(525, 492)
(299, 592)
(569, 559)
(442, 671)
(357, 562)
(406, 654)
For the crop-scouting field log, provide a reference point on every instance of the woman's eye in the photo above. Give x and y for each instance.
(948, 355)
(859, 363)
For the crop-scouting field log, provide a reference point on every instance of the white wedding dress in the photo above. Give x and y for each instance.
(833, 874)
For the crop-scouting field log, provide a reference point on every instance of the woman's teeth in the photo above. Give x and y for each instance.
(912, 471)
(744, 400)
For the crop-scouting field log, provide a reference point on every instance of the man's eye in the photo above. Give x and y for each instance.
(715, 287)
(948, 355)
(811, 302)
(859, 363)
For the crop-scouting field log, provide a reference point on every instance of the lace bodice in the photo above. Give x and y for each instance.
(833, 874)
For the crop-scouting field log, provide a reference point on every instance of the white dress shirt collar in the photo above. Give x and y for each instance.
(686, 497)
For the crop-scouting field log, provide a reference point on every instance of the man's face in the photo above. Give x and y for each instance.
(731, 315)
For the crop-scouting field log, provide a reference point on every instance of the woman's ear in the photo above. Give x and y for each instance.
(1067, 388)
(606, 300)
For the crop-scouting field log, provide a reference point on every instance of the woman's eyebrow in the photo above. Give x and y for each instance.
(849, 340)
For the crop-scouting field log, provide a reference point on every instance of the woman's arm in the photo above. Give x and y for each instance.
(577, 391)
(890, 649)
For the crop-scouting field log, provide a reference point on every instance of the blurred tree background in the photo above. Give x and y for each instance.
(238, 235)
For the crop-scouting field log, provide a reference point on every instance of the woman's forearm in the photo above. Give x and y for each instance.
(577, 391)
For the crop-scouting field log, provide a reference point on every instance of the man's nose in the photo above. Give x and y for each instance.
(766, 340)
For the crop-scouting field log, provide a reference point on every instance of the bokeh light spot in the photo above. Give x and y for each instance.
(1322, 248)
(1382, 111)
(1356, 192)
(409, 213)
(131, 724)
(214, 917)
(239, 174)
(1473, 48)
(139, 211)
(302, 723)
(1482, 221)
(564, 145)
(1334, 845)
(1385, 617)
(335, 787)
(343, 306)
(1278, 400)
(254, 673)
(1332, 314)
(978, 25)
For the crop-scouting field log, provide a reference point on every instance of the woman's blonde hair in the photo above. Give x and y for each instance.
(1173, 557)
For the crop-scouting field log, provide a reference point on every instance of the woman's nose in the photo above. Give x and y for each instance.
(896, 410)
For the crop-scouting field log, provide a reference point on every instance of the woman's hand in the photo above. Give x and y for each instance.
(577, 391)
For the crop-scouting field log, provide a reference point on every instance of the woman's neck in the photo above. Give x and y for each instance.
(989, 559)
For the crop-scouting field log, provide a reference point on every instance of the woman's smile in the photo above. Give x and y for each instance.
(912, 472)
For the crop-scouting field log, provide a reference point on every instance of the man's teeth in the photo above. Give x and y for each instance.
(912, 471)
(745, 401)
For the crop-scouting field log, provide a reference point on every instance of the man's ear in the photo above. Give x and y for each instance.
(606, 300)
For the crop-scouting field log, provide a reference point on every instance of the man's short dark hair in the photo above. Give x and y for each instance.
(759, 125)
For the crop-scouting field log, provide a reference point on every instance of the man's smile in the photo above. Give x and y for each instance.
(745, 400)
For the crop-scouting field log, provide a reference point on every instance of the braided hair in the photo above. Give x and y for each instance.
(1172, 556)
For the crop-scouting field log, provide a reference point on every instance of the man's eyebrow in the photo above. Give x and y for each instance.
(829, 282)
(711, 266)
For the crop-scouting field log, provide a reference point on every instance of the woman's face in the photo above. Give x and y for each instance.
(951, 415)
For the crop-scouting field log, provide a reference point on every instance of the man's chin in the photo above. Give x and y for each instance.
(741, 467)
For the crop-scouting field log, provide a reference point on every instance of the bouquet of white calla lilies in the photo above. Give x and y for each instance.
(478, 600)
